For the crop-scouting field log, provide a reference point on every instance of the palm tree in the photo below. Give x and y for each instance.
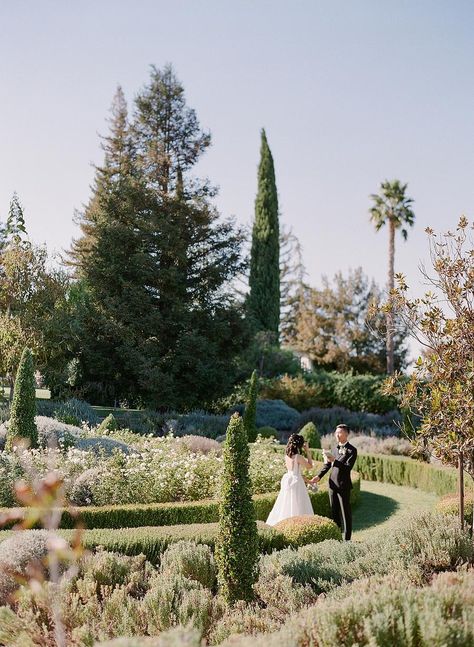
(391, 206)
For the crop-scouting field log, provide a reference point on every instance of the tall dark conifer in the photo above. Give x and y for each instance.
(264, 297)
(114, 304)
(156, 259)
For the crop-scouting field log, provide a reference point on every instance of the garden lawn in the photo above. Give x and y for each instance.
(41, 394)
(381, 505)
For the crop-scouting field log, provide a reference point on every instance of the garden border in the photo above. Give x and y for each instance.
(171, 514)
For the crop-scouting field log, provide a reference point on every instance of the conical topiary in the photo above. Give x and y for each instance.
(108, 424)
(311, 435)
(250, 413)
(23, 411)
(237, 544)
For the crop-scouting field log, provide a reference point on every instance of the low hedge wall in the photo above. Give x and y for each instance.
(153, 541)
(401, 470)
(171, 514)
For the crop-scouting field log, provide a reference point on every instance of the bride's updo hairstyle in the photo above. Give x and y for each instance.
(294, 445)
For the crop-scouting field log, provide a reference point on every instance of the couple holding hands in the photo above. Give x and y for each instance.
(293, 499)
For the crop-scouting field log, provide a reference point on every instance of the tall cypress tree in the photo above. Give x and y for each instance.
(250, 413)
(22, 421)
(264, 297)
(16, 229)
(237, 542)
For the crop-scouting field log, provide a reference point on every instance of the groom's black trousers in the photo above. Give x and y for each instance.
(341, 510)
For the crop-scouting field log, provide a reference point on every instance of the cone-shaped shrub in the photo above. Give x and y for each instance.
(250, 414)
(237, 544)
(22, 420)
(311, 435)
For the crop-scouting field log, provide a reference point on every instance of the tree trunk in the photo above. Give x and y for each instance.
(461, 489)
(391, 285)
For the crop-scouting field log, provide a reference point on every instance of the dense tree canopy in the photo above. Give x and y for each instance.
(31, 294)
(334, 327)
(160, 324)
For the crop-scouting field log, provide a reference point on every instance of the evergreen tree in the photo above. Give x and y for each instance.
(22, 421)
(264, 297)
(111, 299)
(250, 414)
(16, 228)
(3, 236)
(157, 317)
(237, 544)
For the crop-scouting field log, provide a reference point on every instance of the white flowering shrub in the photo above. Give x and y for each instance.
(157, 470)
(391, 445)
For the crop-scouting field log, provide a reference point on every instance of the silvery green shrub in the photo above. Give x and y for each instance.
(21, 549)
(194, 561)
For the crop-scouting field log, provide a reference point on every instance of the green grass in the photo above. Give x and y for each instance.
(384, 504)
(41, 394)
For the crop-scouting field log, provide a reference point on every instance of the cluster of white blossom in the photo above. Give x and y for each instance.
(156, 470)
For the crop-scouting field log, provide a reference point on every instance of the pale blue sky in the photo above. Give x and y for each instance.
(350, 93)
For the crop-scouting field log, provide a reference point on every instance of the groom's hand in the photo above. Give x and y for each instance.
(315, 479)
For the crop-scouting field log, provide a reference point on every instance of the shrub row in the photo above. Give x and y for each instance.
(171, 514)
(152, 541)
(400, 470)
(406, 471)
(328, 389)
(326, 420)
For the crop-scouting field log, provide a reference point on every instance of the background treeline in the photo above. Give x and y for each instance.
(146, 307)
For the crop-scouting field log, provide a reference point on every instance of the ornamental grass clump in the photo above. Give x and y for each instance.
(250, 414)
(237, 544)
(22, 421)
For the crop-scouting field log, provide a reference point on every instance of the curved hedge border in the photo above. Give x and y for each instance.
(171, 514)
(401, 470)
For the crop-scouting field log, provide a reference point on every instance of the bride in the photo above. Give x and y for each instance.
(293, 499)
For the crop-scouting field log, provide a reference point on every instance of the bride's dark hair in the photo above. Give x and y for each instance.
(294, 445)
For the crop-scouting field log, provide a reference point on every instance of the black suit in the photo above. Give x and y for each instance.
(340, 486)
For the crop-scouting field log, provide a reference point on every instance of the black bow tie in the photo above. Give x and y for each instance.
(340, 446)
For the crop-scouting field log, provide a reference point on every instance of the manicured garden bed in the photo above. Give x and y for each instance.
(169, 514)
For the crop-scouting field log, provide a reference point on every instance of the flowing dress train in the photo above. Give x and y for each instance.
(293, 499)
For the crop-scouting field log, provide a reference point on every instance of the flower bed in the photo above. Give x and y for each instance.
(155, 470)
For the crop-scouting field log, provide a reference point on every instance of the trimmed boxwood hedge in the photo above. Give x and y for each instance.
(170, 514)
(401, 470)
(449, 504)
(153, 541)
(302, 530)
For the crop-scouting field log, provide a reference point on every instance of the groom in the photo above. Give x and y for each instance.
(340, 483)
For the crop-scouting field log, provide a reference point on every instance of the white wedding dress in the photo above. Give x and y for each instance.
(293, 499)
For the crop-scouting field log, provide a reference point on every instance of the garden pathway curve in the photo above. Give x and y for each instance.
(384, 504)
